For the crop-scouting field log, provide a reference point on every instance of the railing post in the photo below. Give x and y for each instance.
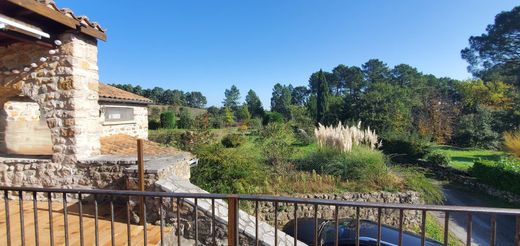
(140, 171)
(233, 221)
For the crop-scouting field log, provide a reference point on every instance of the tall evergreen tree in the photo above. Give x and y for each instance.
(254, 105)
(281, 100)
(322, 97)
(232, 97)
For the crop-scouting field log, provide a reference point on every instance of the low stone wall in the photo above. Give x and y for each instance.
(412, 219)
(118, 173)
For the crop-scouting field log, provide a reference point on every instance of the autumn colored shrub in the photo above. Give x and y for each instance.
(512, 142)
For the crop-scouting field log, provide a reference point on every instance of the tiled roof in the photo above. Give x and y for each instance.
(84, 20)
(110, 93)
(126, 145)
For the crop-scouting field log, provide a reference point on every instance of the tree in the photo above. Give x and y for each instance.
(299, 95)
(243, 114)
(492, 95)
(497, 52)
(314, 80)
(229, 119)
(281, 100)
(185, 119)
(254, 104)
(232, 97)
(322, 97)
(168, 120)
(375, 71)
(195, 99)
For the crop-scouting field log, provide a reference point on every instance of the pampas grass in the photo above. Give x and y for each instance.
(345, 137)
(512, 142)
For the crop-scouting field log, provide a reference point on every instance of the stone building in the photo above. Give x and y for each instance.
(59, 126)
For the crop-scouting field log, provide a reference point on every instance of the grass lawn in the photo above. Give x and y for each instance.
(463, 159)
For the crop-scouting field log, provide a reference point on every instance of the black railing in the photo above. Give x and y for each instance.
(127, 200)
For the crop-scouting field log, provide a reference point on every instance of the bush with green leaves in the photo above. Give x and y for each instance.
(405, 148)
(154, 124)
(476, 130)
(186, 121)
(164, 136)
(415, 179)
(168, 120)
(222, 170)
(438, 158)
(503, 174)
(233, 140)
(276, 141)
(302, 137)
(272, 117)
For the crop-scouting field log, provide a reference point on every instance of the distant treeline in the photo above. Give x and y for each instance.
(159, 95)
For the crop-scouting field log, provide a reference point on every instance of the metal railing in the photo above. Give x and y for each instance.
(39, 195)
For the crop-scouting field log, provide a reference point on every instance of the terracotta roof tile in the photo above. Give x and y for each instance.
(126, 145)
(68, 12)
(113, 93)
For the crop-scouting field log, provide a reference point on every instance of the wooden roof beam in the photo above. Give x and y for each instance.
(58, 17)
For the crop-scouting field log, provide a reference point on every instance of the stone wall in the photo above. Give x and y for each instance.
(65, 86)
(412, 219)
(24, 131)
(136, 128)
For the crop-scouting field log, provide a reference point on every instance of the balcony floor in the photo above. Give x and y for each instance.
(120, 226)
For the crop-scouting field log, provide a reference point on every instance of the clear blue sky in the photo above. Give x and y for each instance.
(209, 45)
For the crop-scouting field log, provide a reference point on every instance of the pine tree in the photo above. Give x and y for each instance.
(322, 97)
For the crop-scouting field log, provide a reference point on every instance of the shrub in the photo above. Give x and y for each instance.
(233, 140)
(438, 158)
(223, 170)
(276, 141)
(405, 148)
(503, 174)
(168, 120)
(512, 142)
(476, 131)
(302, 137)
(272, 117)
(154, 124)
(164, 136)
(185, 120)
(363, 165)
(414, 179)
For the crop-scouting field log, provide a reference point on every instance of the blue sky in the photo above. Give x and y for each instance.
(209, 45)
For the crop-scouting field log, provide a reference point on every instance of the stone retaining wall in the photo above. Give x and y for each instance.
(412, 219)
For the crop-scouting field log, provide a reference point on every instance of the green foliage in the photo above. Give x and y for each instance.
(272, 117)
(154, 124)
(186, 121)
(463, 159)
(438, 158)
(232, 96)
(364, 169)
(222, 170)
(322, 97)
(167, 97)
(496, 52)
(243, 114)
(405, 148)
(276, 141)
(164, 136)
(233, 140)
(302, 137)
(229, 118)
(168, 120)
(414, 179)
(503, 174)
(281, 100)
(476, 131)
(254, 105)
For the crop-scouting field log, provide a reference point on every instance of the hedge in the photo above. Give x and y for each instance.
(504, 175)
